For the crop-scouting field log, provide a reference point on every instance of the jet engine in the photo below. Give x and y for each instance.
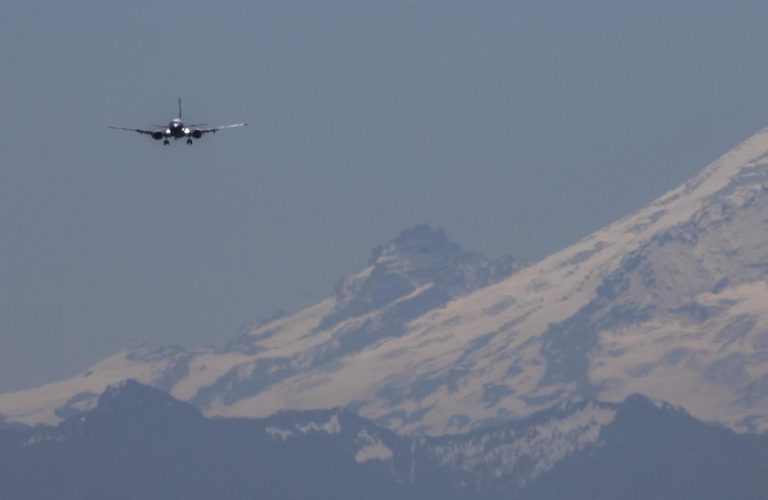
(157, 135)
(197, 133)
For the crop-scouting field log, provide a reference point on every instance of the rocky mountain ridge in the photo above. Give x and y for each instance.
(139, 442)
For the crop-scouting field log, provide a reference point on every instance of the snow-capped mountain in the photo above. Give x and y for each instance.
(671, 302)
(139, 442)
(421, 269)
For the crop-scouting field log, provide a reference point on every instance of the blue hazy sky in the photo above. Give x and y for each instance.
(519, 127)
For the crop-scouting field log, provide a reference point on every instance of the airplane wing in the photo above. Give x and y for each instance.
(220, 127)
(147, 132)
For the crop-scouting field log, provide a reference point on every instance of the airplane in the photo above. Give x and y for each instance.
(177, 130)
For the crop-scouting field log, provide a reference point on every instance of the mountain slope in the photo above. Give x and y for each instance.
(652, 450)
(141, 443)
(671, 302)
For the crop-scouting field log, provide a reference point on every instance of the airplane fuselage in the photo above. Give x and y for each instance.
(177, 130)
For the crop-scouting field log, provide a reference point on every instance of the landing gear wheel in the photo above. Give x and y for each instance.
(189, 141)
(165, 142)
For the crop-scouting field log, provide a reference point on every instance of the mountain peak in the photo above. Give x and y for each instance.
(422, 261)
(420, 239)
(127, 389)
(132, 399)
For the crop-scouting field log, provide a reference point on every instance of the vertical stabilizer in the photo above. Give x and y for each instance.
(179, 108)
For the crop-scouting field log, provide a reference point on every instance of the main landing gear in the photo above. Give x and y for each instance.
(165, 142)
(189, 141)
